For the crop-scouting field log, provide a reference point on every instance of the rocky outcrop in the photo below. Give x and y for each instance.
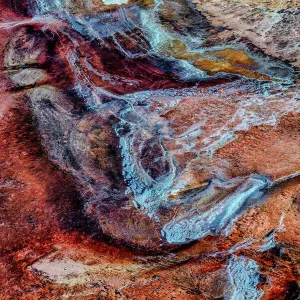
(273, 26)
(147, 152)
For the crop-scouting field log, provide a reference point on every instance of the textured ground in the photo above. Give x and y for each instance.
(273, 26)
(149, 151)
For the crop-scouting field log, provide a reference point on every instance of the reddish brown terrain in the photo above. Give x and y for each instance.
(149, 150)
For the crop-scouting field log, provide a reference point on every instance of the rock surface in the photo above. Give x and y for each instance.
(149, 150)
(273, 26)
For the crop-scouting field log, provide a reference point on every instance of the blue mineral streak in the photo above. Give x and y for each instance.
(243, 275)
(148, 193)
(45, 6)
(197, 224)
(269, 243)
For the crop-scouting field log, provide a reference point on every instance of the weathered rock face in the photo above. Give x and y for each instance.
(273, 26)
(149, 151)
